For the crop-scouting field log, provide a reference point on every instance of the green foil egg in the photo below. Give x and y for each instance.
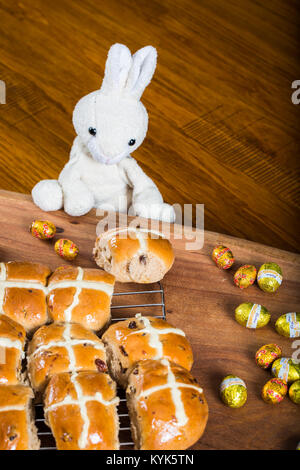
(233, 391)
(294, 393)
(286, 369)
(288, 325)
(269, 277)
(252, 315)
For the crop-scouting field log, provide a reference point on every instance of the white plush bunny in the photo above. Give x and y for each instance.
(110, 123)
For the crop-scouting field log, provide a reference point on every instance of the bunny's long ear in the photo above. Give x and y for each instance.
(118, 64)
(141, 72)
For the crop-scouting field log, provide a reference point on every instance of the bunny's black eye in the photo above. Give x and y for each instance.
(92, 131)
(131, 142)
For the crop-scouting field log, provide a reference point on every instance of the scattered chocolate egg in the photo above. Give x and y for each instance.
(233, 391)
(223, 257)
(294, 393)
(245, 276)
(267, 354)
(274, 391)
(252, 315)
(66, 249)
(269, 277)
(288, 325)
(286, 369)
(42, 229)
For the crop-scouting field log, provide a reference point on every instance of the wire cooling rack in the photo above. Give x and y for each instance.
(126, 310)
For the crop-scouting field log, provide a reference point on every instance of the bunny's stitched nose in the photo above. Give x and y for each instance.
(101, 157)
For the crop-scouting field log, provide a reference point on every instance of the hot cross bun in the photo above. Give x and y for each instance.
(134, 255)
(23, 293)
(12, 342)
(63, 347)
(167, 408)
(81, 410)
(17, 429)
(80, 295)
(140, 338)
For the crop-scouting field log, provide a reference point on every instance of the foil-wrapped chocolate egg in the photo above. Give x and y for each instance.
(267, 354)
(288, 325)
(286, 369)
(294, 393)
(223, 257)
(274, 391)
(252, 315)
(269, 277)
(233, 391)
(245, 276)
(42, 229)
(66, 249)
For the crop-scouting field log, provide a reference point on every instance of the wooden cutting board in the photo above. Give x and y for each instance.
(200, 299)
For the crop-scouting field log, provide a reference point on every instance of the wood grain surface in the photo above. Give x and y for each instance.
(223, 129)
(201, 300)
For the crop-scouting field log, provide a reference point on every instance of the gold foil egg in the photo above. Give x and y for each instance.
(66, 249)
(294, 393)
(233, 391)
(269, 277)
(288, 325)
(245, 276)
(274, 391)
(252, 315)
(223, 257)
(267, 354)
(42, 229)
(286, 369)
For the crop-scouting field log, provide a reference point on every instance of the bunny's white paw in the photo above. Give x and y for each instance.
(48, 195)
(163, 212)
(77, 204)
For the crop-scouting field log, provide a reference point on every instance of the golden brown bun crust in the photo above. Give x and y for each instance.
(137, 258)
(128, 341)
(92, 309)
(158, 426)
(14, 425)
(44, 362)
(26, 306)
(66, 420)
(10, 368)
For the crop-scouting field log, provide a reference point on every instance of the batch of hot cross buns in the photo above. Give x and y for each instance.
(52, 323)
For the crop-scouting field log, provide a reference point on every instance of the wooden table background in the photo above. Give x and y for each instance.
(200, 299)
(223, 130)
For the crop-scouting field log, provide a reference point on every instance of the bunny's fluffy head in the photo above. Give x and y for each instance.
(112, 121)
